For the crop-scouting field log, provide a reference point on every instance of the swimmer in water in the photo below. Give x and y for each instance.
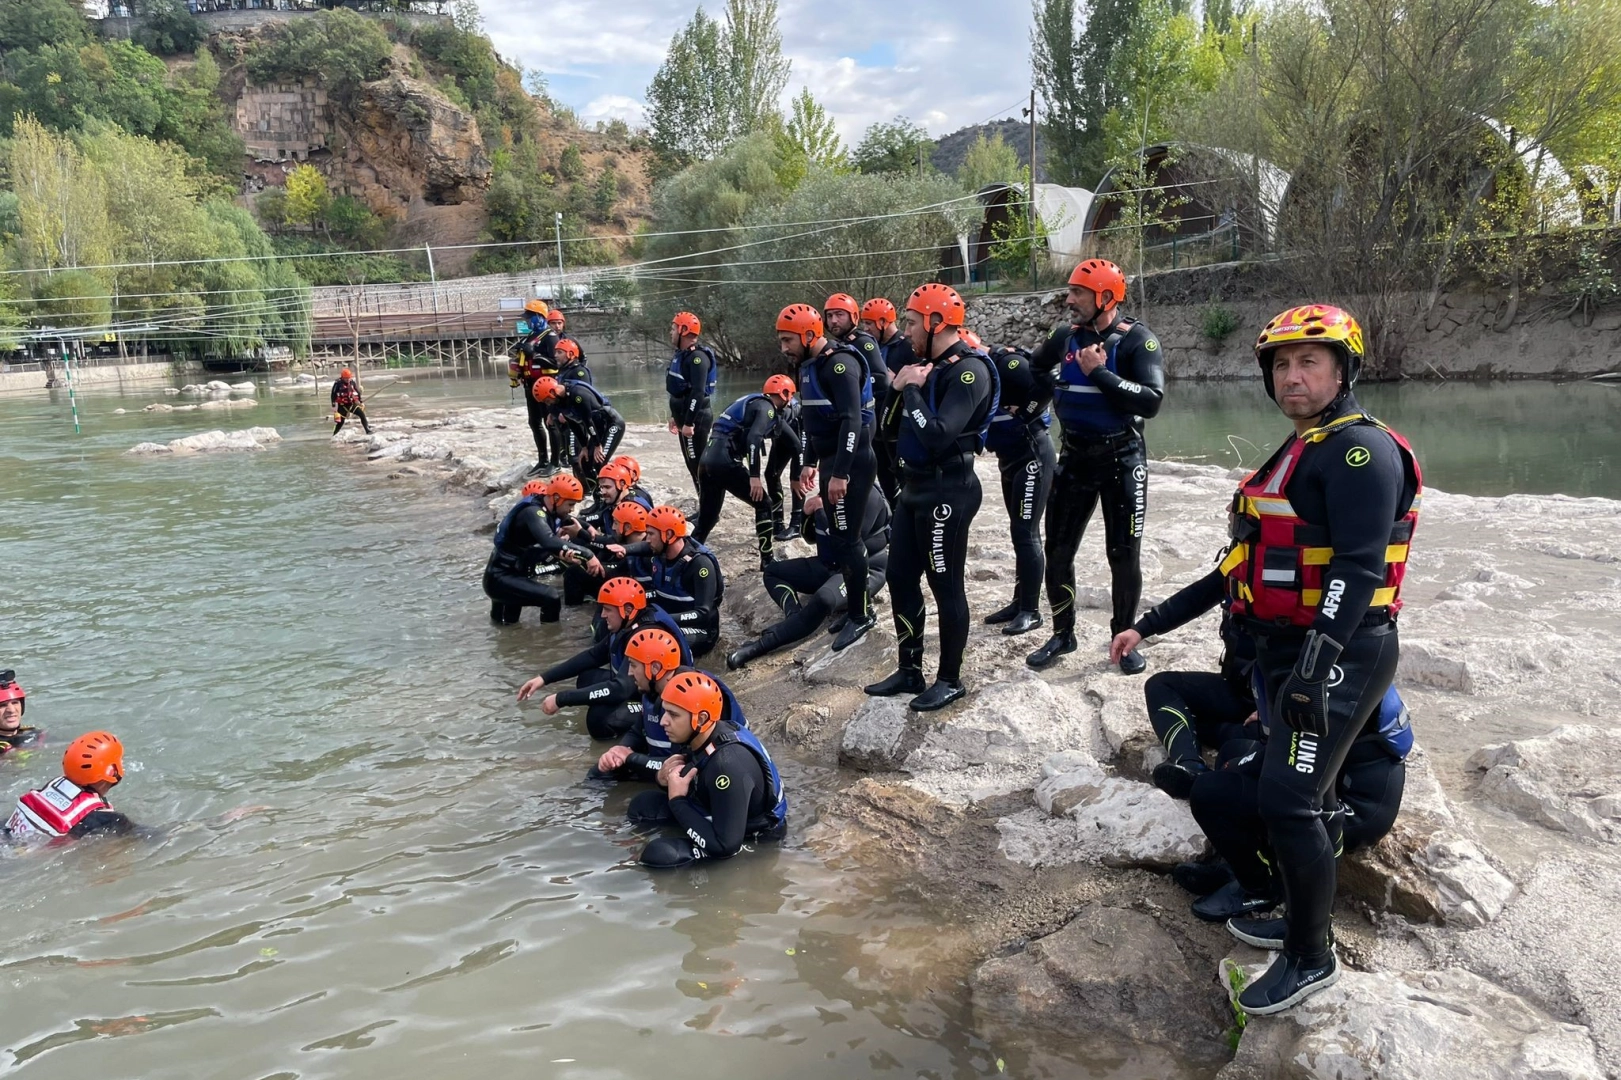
(14, 735)
(74, 805)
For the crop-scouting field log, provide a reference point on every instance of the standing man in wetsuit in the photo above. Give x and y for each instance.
(841, 316)
(836, 418)
(1110, 379)
(1026, 459)
(1321, 534)
(690, 382)
(533, 357)
(531, 535)
(734, 459)
(946, 402)
(878, 320)
(346, 402)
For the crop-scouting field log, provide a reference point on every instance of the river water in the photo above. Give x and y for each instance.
(429, 889)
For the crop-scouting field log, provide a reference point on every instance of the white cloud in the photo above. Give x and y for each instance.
(614, 107)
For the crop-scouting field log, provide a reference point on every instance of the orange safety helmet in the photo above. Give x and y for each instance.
(1101, 276)
(617, 473)
(565, 487)
(840, 301)
(547, 389)
(656, 649)
(554, 317)
(630, 463)
(971, 339)
(625, 595)
(936, 299)
(536, 307)
(568, 349)
(687, 323)
(1324, 323)
(803, 320)
(779, 384)
(534, 487)
(92, 758)
(668, 522)
(346, 374)
(878, 310)
(699, 695)
(631, 517)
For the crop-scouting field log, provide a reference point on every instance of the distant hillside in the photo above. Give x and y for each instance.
(950, 151)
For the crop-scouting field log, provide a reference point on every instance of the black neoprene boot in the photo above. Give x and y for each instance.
(938, 696)
(906, 680)
(1175, 778)
(853, 631)
(751, 650)
(1133, 663)
(1023, 623)
(1263, 933)
(1230, 901)
(1060, 643)
(1002, 614)
(1290, 980)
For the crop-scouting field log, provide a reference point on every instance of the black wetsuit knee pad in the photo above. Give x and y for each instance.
(649, 808)
(666, 853)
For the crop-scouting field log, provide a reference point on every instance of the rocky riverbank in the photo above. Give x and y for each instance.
(1479, 937)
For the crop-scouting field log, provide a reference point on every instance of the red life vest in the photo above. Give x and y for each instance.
(52, 811)
(348, 392)
(1274, 568)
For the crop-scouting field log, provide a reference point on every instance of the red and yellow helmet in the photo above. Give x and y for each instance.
(1324, 323)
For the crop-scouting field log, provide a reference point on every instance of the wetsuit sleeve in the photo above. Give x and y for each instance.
(705, 590)
(1361, 502)
(612, 691)
(762, 422)
(103, 823)
(1139, 388)
(876, 367)
(334, 393)
(844, 391)
(697, 402)
(729, 785)
(1187, 604)
(964, 388)
(1050, 357)
(639, 550)
(594, 657)
(546, 541)
(1021, 382)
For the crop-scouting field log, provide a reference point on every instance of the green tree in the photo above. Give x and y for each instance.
(61, 201)
(606, 194)
(989, 161)
(465, 16)
(71, 299)
(1072, 50)
(307, 196)
(756, 70)
(897, 146)
(343, 48)
(571, 163)
(168, 27)
(31, 24)
(810, 131)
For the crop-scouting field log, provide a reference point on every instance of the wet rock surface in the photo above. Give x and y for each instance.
(212, 442)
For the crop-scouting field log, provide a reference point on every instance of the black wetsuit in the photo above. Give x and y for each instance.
(787, 453)
(735, 456)
(1354, 486)
(21, 739)
(941, 429)
(818, 579)
(613, 702)
(597, 531)
(729, 805)
(596, 423)
(897, 352)
(1026, 460)
(1104, 460)
(537, 356)
(525, 539)
(346, 400)
(837, 420)
(690, 587)
(689, 383)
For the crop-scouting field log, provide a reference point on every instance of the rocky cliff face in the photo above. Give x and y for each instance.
(402, 142)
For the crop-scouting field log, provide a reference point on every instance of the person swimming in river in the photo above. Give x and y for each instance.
(74, 805)
(14, 734)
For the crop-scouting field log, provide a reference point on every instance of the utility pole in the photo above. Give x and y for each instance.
(558, 220)
(1030, 208)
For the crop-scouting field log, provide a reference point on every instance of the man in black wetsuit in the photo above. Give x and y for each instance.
(723, 790)
(841, 317)
(945, 403)
(1321, 534)
(14, 735)
(1026, 460)
(690, 383)
(787, 453)
(602, 682)
(878, 319)
(346, 402)
(687, 580)
(1109, 380)
(596, 424)
(594, 528)
(836, 418)
(529, 536)
(816, 578)
(735, 457)
(533, 357)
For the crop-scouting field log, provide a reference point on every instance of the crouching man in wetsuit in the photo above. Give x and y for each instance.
(595, 425)
(722, 788)
(13, 705)
(595, 528)
(945, 404)
(346, 402)
(686, 576)
(531, 535)
(1320, 546)
(74, 805)
(735, 457)
(602, 683)
(1110, 378)
(817, 579)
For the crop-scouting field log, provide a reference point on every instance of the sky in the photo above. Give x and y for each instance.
(946, 64)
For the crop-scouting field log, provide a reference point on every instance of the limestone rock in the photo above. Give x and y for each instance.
(149, 448)
(1411, 1025)
(1429, 663)
(1086, 815)
(1109, 971)
(212, 442)
(1566, 780)
(227, 403)
(872, 737)
(409, 142)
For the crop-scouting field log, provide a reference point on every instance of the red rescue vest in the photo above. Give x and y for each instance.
(52, 811)
(1275, 565)
(348, 393)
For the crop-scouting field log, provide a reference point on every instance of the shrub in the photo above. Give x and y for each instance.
(1218, 322)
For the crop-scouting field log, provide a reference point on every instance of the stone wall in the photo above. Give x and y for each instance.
(1459, 339)
(98, 374)
(284, 120)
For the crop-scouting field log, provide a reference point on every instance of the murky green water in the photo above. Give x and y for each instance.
(431, 891)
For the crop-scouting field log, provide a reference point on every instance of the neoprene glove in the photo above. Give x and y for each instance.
(1303, 699)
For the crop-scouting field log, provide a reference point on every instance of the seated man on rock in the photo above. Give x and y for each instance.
(654, 659)
(721, 789)
(603, 685)
(594, 527)
(686, 576)
(818, 578)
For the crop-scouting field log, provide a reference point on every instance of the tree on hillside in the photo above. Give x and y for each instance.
(720, 81)
(30, 24)
(897, 146)
(1072, 49)
(342, 47)
(61, 201)
(167, 27)
(810, 131)
(989, 161)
